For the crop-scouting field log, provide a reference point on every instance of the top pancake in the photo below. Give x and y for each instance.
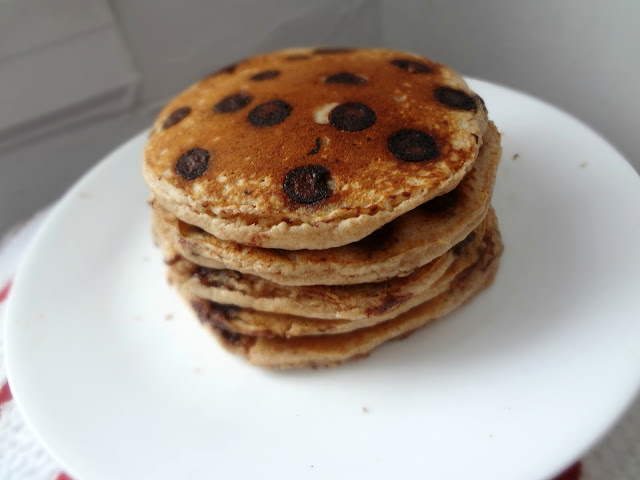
(313, 148)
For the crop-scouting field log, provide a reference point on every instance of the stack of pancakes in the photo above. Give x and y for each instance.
(313, 203)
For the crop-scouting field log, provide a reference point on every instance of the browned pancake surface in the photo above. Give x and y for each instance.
(397, 248)
(325, 138)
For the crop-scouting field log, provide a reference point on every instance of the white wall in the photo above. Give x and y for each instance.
(581, 55)
(172, 44)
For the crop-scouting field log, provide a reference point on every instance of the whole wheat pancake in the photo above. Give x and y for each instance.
(249, 321)
(397, 249)
(331, 350)
(312, 149)
(363, 304)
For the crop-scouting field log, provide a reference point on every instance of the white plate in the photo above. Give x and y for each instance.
(120, 382)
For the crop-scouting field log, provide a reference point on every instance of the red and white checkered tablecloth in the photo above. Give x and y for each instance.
(617, 457)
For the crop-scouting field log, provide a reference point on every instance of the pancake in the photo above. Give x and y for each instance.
(313, 149)
(364, 304)
(249, 321)
(330, 350)
(398, 248)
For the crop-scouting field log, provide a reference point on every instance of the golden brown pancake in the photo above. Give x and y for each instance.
(362, 304)
(332, 349)
(397, 249)
(313, 149)
(314, 203)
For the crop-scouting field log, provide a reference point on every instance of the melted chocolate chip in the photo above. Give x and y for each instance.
(331, 50)
(442, 203)
(232, 337)
(489, 248)
(176, 116)
(270, 113)
(200, 308)
(193, 164)
(266, 75)
(454, 98)
(352, 117)
(308, 184)
(225, 310)
(413, 146)
(217, 315)
(388, 302)
(315, 149)
(203, 274)
(459, 247)
(212, 312)
(347, 78)
(233, 103)
(411, 66)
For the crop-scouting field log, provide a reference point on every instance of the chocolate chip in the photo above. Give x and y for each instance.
(352, 117)
(413, 146)
(266, 75)
(315, 149)
(233, 103)
(331, 50)
(411, 66)
(346, 78)
(459, 247)
(270, 113)
(441, 203)
(308, 184)
(193, 164)
(176, 116)
(454, 98)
